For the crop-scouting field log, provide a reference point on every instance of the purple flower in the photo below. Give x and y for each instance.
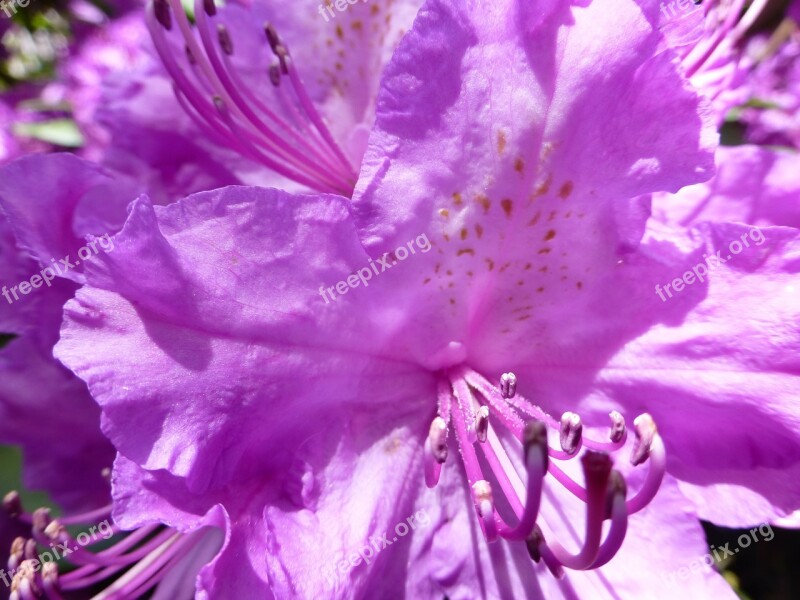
(250, 383)
(64, 455)
(289, 92)
(752, 185)
(47, 410)
(771, 113)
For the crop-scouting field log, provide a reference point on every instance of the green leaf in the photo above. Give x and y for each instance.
(60, 132)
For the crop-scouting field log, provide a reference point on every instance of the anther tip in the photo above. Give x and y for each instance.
(597, 468)
(224, 38)
(210, 7)
(275, 75)
(50, 573)
(162, 13)
(18, 545)
(12, 503)
(482, 423)
(617, 431)
(41, 519)
(484, 500)
(54, 529)
(30, 550)
(533, 541)
(508, 385)
(534, 435)
(272, 37)
(646, 430)
(437, 434)
(571, 432)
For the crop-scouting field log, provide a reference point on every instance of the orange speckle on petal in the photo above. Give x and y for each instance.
(484, 202)
(464, 233)
(501, 142)
(507, 205)
(478, 230)
(550, 235)
(566, 190)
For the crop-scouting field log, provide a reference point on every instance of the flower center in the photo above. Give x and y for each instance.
(285, 133)
(466, 400)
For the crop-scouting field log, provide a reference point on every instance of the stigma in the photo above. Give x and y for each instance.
(488, 421)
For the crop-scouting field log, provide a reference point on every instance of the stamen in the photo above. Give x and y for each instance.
(508, 385)
(12, 504)
(484, 503)
(23, 585)
(17, 554)
(618, 432)
(618, 513)
(308, 156)
(163, 14)
(657, 466)
(472, 397)
(597, 470)
(539, 550)
(571, 430)
(435, 451)
(275, 75)
(224, 39)
(144, 557)
(535, 454)
(50, 581)
(645, 432)
(482, 423)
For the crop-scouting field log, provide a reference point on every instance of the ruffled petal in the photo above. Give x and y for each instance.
(224, 283)
(516, 137)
